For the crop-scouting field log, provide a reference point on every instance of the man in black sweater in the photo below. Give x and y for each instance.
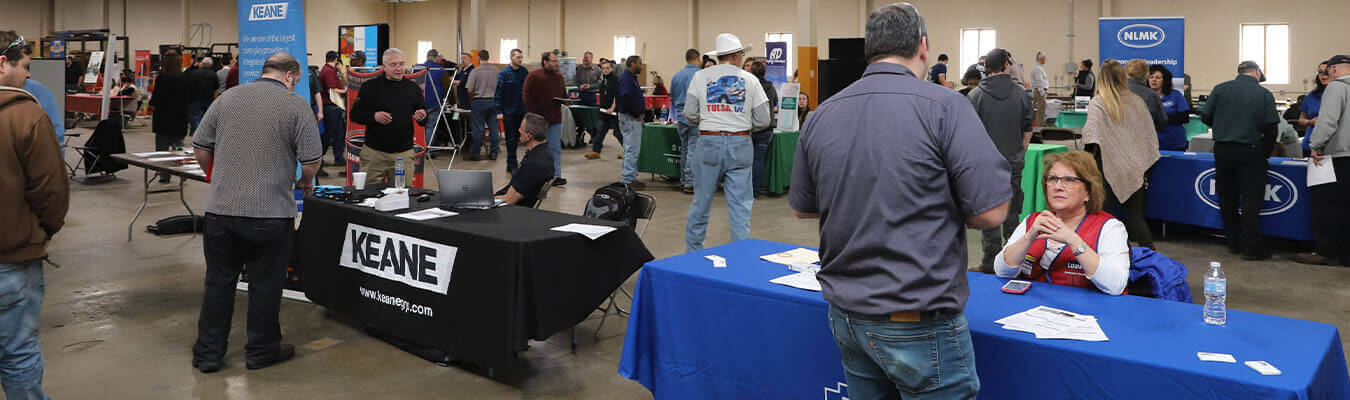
(388, 105)
(202, 85)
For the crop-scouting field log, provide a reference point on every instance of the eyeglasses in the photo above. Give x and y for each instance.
(1064, 180)
(10, 46)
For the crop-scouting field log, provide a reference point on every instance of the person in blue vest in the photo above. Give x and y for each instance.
(1173, 136)
(1074, 243)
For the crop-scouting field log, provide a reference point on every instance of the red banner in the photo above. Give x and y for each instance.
(142, 63)
(357, 131)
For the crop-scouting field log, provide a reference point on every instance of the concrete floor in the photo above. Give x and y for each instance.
(120, 317)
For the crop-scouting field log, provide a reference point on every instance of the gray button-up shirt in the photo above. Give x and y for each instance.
(589, 75)
(894, 165)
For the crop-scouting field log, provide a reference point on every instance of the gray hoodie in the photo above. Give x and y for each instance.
(1331, 136)
(1006, 111)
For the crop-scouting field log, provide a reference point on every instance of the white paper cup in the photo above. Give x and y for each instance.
(359, 180)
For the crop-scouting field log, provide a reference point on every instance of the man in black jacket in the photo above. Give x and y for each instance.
(1007, 113)
(1137, 70)
(388, 105)
(1243, 116)
(202, 84)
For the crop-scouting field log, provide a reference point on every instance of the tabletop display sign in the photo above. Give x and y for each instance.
(1158, 41)
(567, 66)
(356, 133)
(775, 62)
(95, 66)
(787, 106)
(268, 27)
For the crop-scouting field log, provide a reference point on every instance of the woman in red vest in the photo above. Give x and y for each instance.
(1074, 243)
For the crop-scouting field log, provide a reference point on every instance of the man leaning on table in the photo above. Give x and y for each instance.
(892, 235)
(1330, 143)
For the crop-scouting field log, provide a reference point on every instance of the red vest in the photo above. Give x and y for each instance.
(1064, 270)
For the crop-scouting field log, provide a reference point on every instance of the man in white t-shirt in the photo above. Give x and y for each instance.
(726, 103)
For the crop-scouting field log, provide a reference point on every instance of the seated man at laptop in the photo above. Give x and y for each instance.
(535, 169)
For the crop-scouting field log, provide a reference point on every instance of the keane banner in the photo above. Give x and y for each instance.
(267, 27)
(1159, 40)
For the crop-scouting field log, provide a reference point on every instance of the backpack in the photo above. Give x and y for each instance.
(176, 224)
(613, 202)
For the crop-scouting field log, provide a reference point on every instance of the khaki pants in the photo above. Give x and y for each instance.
(1038, 102)
(379, 165)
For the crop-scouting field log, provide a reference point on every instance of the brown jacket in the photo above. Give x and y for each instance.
(34, 191)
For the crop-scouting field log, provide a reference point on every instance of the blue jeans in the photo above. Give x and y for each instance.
(196, 110)
(631, 130)
(484, 114)
(335, 132)
(882, 359)
(689, 139)
(607, 123)
(718, 157)
(21, 291)
(761, 140)
(555, 147)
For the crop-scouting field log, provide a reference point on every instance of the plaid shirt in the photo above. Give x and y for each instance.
(510, 84)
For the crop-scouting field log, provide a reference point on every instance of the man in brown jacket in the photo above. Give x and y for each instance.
(34, 197)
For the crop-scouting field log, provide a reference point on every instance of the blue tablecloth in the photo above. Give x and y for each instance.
(1182, 190)
(699, 332)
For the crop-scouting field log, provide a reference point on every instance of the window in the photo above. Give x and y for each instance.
(783, 37)
(624, 46)
(504, 51)
(1268, 45)
(423, 46)
(974, 43)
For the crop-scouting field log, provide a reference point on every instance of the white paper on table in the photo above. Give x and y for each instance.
(1320, 174)
(718, 261)
(800, 280)
(1264, 368)
(151, 154)
(430, 213)
(1088, 331)
(795, 256)
(1051, 323)
(164, 159)
(590, 231)
(368, 202)
(1216, 357)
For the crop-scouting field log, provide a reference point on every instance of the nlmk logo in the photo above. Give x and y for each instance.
(267, 12)
(1141, 36)
(1280, 195)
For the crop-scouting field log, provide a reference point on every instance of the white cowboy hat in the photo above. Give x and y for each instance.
(728, 44)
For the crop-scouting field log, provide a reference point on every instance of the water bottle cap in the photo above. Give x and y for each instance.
(1214, 264)
(400, 158)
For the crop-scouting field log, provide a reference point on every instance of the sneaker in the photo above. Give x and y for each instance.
(559, 182)
(638, 185)
(207, 366)
(1311, 258)
(284, 352)
(593, 156)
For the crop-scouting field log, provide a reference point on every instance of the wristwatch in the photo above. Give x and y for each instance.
(1082, 248)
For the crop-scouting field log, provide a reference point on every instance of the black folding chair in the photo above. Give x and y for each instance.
(543, 192)
(645, 207)
(95, 155)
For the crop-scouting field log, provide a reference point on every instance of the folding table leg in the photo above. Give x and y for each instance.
(145, 199)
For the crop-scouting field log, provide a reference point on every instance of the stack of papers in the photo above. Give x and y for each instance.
(590, 231)
(1052, 323)
(795, 256)
(801, 280)
(430, 213)
(166, 159)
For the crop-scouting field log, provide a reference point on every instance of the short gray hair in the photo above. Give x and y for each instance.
(392, 51)
(894, 30)
(537, 126)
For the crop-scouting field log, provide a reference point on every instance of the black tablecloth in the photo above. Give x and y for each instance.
(512, 279)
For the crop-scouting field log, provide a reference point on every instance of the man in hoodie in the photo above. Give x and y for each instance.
(1007, 113)
(34, 197)
(1137, 70)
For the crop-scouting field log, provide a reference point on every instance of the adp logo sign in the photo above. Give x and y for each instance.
(267, 12)
(1280, 195)
(776, 54)
(1141, 36)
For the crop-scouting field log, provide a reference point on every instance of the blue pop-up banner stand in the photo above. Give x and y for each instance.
(775, 63)
(268, 27)
(1160, 40)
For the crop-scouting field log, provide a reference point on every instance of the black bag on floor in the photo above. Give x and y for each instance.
(613, 202)
(176, 224)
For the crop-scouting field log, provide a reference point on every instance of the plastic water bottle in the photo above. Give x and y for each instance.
(665, 114)
(398, 174)
(1216, 295)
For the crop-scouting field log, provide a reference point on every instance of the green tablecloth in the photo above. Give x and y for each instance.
(778, 163)
(587, 118)
(1033, 192)
(1195, 127)
(661, 149)
(1071, 119)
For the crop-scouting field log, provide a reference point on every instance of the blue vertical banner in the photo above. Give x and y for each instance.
(1160, 40)
(268, 27)
(775, 62)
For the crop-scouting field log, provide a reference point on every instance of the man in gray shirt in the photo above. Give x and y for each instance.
(892, 234)
(588, 80)
(251, 139)
(1330, 143)
(1006, 112)
(482, 85)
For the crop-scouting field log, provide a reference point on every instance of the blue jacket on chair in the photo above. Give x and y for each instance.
(1166, 277)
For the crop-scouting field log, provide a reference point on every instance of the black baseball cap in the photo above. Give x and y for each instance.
(1339, 59)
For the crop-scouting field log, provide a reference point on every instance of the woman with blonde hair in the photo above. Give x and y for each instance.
(1074, 243)
(1120, 133)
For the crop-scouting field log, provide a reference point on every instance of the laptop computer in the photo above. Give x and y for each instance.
(465, 189)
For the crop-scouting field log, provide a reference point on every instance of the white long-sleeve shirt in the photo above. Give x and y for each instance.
(1113, 248)
(1038, 78)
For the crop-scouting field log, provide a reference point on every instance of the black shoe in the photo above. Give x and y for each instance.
(559, 182)
(207, 366)
(472, 158)
(340, 163)
(323, 174)
(492, 157)
(284, 352)
(1256, 255)
(342, 174)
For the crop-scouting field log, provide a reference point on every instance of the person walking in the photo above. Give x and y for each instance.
(679, 87)
(388, 106)
(1007, 115)
(1245, 124)
(34, 198)
(892, 255)
(482, 85)
(630, 105)
(252, 139)
(542, 88)
(507, 100)
(726, 103)
(1330, 143)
